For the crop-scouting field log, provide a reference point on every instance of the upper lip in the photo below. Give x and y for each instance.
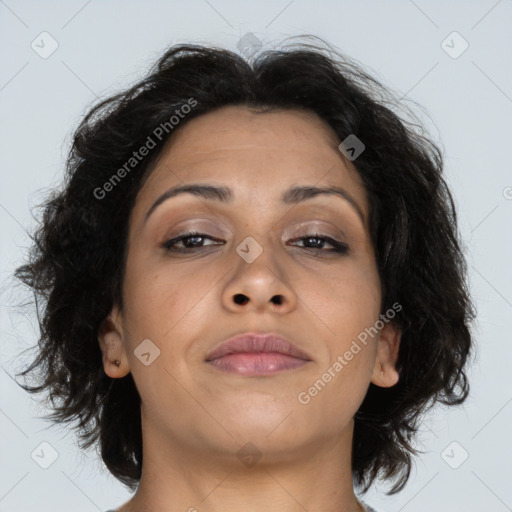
(253, 342)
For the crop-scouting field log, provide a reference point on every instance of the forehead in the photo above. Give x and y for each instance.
(257, 155)
(234, 126)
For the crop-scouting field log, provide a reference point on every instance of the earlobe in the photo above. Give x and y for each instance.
(112, 345)
(385, 373)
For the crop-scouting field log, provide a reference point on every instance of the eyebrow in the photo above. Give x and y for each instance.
(293, 195)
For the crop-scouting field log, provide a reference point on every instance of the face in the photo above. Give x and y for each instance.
(304, 266)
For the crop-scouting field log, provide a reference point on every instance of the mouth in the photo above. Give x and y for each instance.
(257, 355)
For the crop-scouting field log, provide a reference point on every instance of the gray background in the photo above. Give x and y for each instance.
(104, 46)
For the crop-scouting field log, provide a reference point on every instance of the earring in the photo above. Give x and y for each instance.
(117, 362)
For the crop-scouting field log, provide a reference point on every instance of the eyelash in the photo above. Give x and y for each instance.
(339, 247)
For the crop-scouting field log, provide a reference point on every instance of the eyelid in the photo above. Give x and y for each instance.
(218, 228)
(215, 229)
(310, 226)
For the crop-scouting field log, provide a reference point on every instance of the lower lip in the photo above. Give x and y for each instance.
(253, 364)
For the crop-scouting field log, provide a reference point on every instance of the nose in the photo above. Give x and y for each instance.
(258, 287)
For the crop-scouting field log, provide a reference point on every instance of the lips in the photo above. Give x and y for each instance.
(257, 354)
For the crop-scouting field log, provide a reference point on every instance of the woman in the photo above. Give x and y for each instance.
(253, 284)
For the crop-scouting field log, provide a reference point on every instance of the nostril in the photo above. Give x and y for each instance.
(241, 299)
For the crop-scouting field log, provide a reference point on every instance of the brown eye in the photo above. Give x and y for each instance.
(190, 241)
(317, 242)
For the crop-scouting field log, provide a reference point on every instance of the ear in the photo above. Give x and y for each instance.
(112, 345)
(384, 372)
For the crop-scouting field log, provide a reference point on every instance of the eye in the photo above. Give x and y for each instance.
(194, 240)
(189, 242)
(318, 241)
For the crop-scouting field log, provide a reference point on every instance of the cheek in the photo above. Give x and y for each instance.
(156, 298)
(351, 307)
(348, 306)
(348, 299)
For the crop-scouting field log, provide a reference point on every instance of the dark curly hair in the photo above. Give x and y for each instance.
(75, 267)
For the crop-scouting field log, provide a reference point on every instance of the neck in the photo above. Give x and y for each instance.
(178, 478)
